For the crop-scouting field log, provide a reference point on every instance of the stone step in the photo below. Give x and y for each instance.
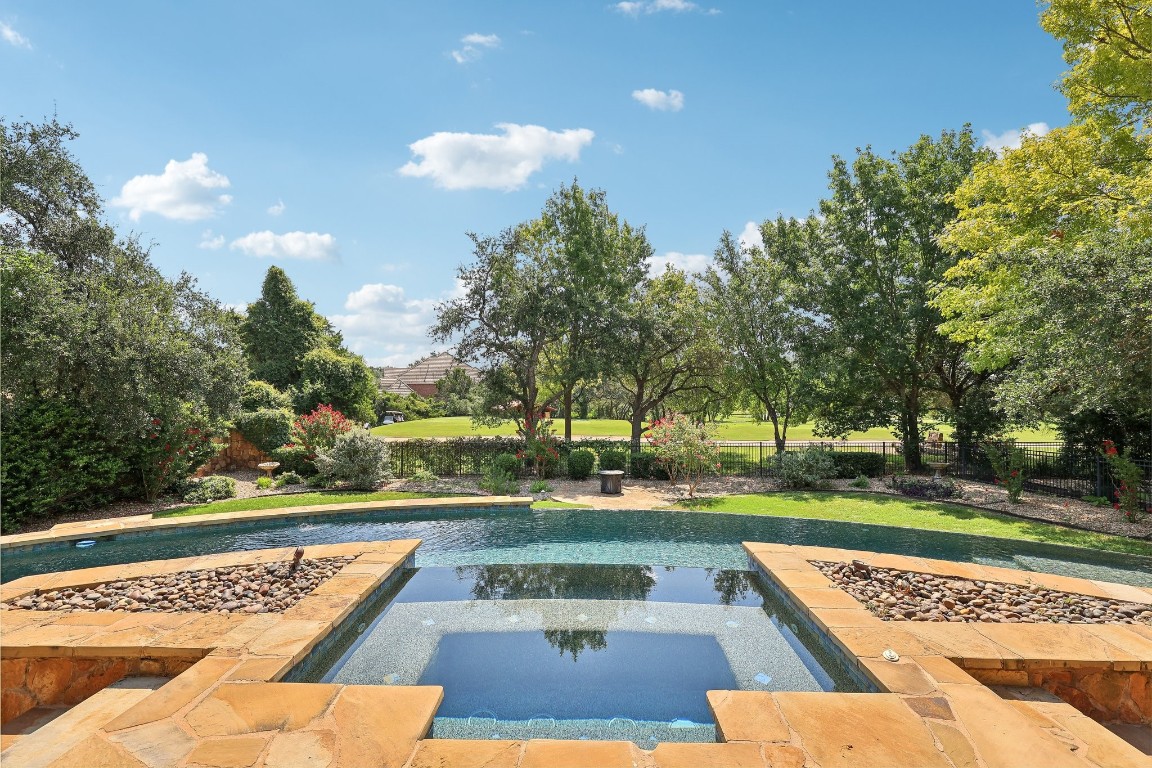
(40, 736)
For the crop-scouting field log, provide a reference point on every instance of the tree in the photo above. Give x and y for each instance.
(88, 325)
(456, 392)
(280, 329)
(592, 261)
(671, 348)
(873, 282)
(1056, 234)
(753, 302)
(506, 316)
(337, 378)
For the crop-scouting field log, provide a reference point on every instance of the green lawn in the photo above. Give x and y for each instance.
(284, 500)
(908, 513)
(737, 428)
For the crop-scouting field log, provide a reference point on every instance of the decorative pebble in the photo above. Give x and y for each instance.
(263, 588)
(896, 595)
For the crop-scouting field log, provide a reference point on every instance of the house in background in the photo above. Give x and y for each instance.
(420, 378)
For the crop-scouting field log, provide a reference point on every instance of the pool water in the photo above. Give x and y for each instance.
(580, 651)
(502, 535)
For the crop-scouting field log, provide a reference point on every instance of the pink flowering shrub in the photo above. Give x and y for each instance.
(685, 449)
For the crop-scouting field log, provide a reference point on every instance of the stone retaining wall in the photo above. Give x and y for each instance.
(236, 453)
(1105, 695)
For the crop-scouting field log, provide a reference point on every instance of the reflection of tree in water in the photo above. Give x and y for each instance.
(575, 641)
(731, 585)
(544, 582)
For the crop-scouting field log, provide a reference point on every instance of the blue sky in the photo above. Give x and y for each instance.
(355, 144)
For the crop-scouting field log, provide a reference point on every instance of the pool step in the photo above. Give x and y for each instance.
(43, 734)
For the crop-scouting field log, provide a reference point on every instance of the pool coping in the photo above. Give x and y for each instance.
(229, 708)
(67, 532)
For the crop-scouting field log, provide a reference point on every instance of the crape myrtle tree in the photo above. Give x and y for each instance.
(111, 371)
(592, 261)
(1056, 241)
(753, 301)
(671, 349)
(871, 285)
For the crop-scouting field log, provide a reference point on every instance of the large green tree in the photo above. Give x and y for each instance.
(90, 328)
(339, 379)
(592, 261)
(872, 283)
(754, 303)
(1055, 236)
(280, 329)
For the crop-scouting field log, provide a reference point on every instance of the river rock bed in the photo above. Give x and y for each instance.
(259, 588)
(896, 595)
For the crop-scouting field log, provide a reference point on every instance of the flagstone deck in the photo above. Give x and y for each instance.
(223, 705)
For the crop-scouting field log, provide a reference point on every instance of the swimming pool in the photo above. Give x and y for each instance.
(454, 537)
(580, 651)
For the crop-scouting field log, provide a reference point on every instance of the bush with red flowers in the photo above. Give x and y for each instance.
(1008, 463)
(1126, 477)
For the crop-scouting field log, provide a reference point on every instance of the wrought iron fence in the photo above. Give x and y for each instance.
(1049, 468)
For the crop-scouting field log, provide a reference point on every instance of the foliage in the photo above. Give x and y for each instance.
(856, 463)
(647, 466)
(860, 482)
(456, 392)
(580, 463)
(267, 429)
(1008, 465)
(422, 476)
(55, 459)
(752, 300)
(613, 459)
(541, 448)
(540, 486)
(263, 483)
(318, 430)
(1127, 477)
(211, 488)
(804, 469)
(685, 448)
(499, 482)
(260, 396)
(172, 446)
(1096, 501)
(671, 349)
(357, 459)
(295, 459)
(924, 487)
(508, 463)
(337, 378)
(88, 322)
(280, 328)
(412, 406)
(288, 478)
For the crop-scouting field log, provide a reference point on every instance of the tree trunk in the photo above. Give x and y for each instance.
(568, 413)
(910, 433)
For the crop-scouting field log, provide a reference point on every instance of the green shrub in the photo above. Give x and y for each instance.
(262, 396)
(296, 459)
(358, 459)
(267, 429)
(924, 487)
(854, 464)
(580, 463)
(1099, 501)
(647, 466)
(508, 463)
(55, 459)
(211, 488)
(422, 475)
(541, 486)
(860, 482)
(499, 482)
(320, 481)
(613, 458)
(288, 478)
(804, 469)
(264, 483)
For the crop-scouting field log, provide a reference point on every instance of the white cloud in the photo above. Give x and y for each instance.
(310, 246)
(750, 236)
(637, 7)
(386, 326)
(12, 37)
(277, 209)
(210, 242)
(685, 262)
(665, 101)
(1011, 139)
(474, 46)
(487, 161)
(187, 191)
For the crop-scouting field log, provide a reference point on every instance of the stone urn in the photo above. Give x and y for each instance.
(936, 467)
